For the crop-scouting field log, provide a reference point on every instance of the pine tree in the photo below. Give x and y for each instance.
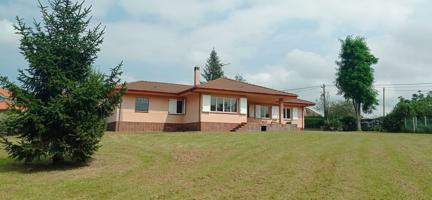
(62, 102)
(213, 68)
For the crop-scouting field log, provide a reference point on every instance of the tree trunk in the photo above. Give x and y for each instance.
(57, 159)
(357, 109)
(359, 128)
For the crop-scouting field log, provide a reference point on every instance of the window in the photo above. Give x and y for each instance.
(223, 104)
(265, 112)
(141, 104)
(176, 106)
(180, 106)
(287, 113)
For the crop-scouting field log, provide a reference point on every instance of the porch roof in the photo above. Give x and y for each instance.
(299, 102)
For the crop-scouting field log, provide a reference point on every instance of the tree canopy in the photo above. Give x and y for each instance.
(213, 68)
(420, 105)
(355, 75)
(61, 104)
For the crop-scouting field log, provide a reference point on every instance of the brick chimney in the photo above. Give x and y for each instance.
(197, 76)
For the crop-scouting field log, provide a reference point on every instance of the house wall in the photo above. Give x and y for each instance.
(114, 116)
(192, 108)
(194, 119)
(158, 111)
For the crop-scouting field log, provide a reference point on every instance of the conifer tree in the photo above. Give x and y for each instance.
(62, 102)
(213, 68)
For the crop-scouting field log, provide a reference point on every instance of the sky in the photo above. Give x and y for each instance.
(283, 44)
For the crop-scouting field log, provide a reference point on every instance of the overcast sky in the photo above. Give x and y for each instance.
(282, 44)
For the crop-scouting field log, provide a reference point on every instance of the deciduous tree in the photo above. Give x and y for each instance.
(355, 75)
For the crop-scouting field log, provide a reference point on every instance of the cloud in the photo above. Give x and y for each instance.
(7, 32)
(298, 67)
(278, 43)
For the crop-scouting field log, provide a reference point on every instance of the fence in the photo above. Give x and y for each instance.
(418, 125)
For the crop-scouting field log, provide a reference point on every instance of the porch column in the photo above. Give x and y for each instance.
(281, 119)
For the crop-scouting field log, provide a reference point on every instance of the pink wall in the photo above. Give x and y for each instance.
(192, 108)
(158, 111)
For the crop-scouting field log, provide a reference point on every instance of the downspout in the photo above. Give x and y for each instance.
(199, 110)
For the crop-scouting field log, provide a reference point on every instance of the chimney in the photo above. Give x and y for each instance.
(197, 76)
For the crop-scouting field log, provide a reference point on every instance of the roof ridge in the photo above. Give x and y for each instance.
(257, 85)
(159, 82)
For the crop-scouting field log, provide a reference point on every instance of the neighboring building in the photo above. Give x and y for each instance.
(220, 105)
(312, 112)
(4, 95)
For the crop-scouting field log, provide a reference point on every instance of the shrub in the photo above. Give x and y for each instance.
(314, 122)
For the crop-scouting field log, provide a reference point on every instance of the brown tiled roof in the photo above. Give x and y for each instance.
(234, 85)
(151, 86)
(300, 101)
(3, 104)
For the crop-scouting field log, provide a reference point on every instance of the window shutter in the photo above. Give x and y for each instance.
(172, 107)
(243, 106)
(206, 103)
(275, 112)
(251, 110)
(295, 113)
(257, 111)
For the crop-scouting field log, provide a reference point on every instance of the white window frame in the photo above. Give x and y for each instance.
(232, 102)
(285, 113)
(173, 110)
(262, 116)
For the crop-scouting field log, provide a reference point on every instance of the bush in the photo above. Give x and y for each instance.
(314, 122)
(333, 124)
(348, 123)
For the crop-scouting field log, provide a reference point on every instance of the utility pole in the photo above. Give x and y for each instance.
(384, 113)
(324, 100)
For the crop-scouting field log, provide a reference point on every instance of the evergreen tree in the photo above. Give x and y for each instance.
(354, 78)
(213, 68)
(62, 103)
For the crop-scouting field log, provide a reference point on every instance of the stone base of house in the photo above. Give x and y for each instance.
(255, 127)
(169, 127)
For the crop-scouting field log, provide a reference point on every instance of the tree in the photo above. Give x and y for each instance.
(213, 68)
(239, 77)
(62, 102)
(354, 77)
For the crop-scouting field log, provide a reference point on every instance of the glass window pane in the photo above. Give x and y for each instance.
(234, 105)
(227, 105)
(141, 104)
(219, 104)
(213, 104)
(265, 112)
(179, 107)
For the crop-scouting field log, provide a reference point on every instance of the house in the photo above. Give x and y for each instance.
(312, 112)
(219, 105)
(4, 95)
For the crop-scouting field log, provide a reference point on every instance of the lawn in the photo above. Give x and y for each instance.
(309, 165)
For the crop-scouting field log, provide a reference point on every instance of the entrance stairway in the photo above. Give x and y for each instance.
(238, 127)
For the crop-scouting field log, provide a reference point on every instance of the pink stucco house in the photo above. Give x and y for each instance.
(220, 105)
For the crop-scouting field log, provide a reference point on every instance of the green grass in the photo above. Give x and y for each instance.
(310, 165)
